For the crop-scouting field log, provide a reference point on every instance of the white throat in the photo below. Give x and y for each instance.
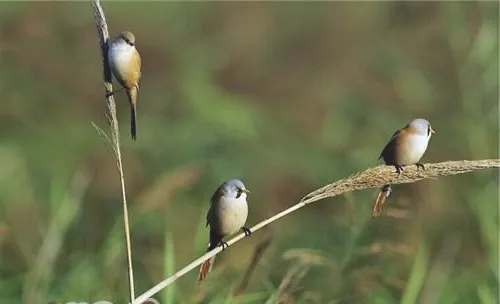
(232, 213)
(120, 54)
(417, 144)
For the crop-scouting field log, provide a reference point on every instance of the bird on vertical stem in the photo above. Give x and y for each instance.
(125, 63)
(406, 147)
(227, 215)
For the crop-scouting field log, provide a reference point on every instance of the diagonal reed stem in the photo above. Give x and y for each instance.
(370, 178)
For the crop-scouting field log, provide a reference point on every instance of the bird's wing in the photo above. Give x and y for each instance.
(138, 63)
(390, 143)
(140, 73)
(213, 201)
(209, 216)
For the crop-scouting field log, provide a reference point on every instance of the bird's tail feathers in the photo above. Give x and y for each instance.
(384, 193)
(132, 97)
(205, 268)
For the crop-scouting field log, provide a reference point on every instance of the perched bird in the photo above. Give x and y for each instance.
(406, 147)
(125, 63)
(227, 215)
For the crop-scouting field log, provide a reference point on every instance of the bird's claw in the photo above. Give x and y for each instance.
(420, 165)
(109, 94)
(224, 245)
(247, 231)
(399, 169)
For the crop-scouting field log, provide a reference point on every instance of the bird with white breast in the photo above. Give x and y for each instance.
(406, 147)
(227, 215)
(125, 63)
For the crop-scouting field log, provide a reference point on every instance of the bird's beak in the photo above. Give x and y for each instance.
(432, 130)
(246, 190)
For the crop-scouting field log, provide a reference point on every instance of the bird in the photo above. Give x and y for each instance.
(227, 215)
(125, 63)
(406, 147)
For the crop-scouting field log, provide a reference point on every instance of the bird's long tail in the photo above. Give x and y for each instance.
(132, 97)
(205, 268)
(384, 193)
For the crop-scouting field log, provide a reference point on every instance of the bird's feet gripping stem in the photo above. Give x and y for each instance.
(420, 165)
(224, 245)
(247, 231)
(109, 94)
(399, 169)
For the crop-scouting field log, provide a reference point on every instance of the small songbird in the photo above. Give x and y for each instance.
(125, 63)
(406, 147)
(227, 215)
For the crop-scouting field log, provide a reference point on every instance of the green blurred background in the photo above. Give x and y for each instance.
(286, 96)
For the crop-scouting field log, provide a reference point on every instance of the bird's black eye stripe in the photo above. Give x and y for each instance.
(238, 192)
(128, 41)
(428, 130)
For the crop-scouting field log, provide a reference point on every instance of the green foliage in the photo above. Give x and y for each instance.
(286, 96)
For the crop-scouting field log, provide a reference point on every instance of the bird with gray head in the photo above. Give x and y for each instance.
(125, 63)
(406, 147)
(227, 215)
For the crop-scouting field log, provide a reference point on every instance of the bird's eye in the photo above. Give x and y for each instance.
(128, 41)
(428, 130)
(238, 192)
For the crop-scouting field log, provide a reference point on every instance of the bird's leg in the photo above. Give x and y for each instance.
(247, 231)
(420, 165)
(223, 244)
(399, 169)
(113, 92)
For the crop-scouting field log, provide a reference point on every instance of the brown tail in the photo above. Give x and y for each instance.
(205, 268)
(132, 97)
(384, 193)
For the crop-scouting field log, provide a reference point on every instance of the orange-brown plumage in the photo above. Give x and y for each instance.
(384, 193)
(205, 268)
(125, 63)
(132, 75)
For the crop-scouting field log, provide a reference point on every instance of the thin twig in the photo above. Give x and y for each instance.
(107, 141)
(102, 33)
(103, 135)
(370, 178)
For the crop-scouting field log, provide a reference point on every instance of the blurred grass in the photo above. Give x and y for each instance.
(169, 262)
(417, 276)
(286, 96)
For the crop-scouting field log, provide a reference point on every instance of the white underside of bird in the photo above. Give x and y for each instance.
(119, 56)
(234, 211)
(413, 149)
